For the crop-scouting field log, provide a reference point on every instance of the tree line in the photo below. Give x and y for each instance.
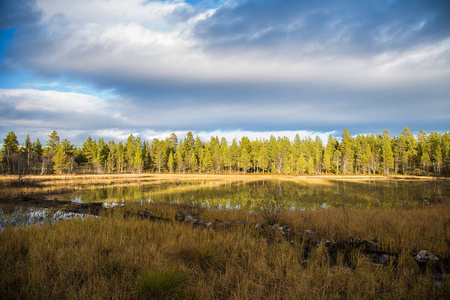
(423, 154)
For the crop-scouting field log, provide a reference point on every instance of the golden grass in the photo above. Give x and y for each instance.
(116, 258)
(113, 257)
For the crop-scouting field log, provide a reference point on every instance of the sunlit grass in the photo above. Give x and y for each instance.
(120, 256)
(113, 257)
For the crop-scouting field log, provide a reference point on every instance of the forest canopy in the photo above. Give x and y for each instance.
(408, 154)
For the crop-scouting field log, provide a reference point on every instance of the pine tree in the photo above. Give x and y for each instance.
(310, 166)
(337, 159)
(129, 153)
(301, 164)
(234, 152)
(193, 162)
(263, 158)
(110, 164)
(388, 155)
(138, 162)
(179, 155)
(170, 162)
(328, 153)
(244, 161)
(425, 161)
(159, 152)
(173, 140)
(347, 152)
(446, 154)
(61, 163)
(28, 149)
(10, 149)
(318, 155)
(434, 140)
(424, 156)
(358, 153)
(53, 140)
(207, 160)
(120, 156)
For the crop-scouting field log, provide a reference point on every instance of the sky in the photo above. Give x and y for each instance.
(111, 68)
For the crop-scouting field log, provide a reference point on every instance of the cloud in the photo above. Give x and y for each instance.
(114, 134)
(317, 27)
(235, 65)
(18, 13)
(252, 41)
(35, 108)
(77, 116)
(40, 85)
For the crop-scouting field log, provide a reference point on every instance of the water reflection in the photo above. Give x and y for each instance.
(282, 195)
(33, 215)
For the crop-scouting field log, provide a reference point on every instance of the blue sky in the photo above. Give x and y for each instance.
(226, 67)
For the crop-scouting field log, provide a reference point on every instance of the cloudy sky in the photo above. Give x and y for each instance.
(110, 68)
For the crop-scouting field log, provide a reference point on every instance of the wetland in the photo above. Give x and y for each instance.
(224, 237)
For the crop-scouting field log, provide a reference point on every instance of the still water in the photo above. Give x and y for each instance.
(249, 196)
(291, 195)
(21, 215)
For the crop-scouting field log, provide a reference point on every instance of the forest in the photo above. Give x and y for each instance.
(408, 154)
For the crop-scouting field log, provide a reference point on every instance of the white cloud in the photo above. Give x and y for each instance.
(159, 73)
(137, 40)
(115, 134)
(40, 85)
(152, 13)
(30, 100)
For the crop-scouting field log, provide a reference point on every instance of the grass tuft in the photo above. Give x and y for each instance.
(164, 284)
(205, 257)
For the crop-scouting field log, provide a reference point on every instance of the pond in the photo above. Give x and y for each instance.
(249, 196)
(280, 194)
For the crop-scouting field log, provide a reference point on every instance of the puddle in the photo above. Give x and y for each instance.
(27, 216)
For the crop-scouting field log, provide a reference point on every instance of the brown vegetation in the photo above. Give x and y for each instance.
(126, 255)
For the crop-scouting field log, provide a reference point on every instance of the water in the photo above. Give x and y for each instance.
(289, 195)
(34, 216)
(248, 196)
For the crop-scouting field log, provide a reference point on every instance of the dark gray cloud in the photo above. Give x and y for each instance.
(15, 13)
(311, 27)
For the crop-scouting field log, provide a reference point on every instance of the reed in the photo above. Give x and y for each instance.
(130, 258)
(122, 256)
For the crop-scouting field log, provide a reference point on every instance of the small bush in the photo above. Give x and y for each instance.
(166, 284)
(270, 216)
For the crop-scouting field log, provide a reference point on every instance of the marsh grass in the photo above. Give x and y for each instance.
(161, 284)
(206, 257)
(117, 257)
(121, 256)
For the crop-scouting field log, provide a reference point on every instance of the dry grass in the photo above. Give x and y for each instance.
(117, 258)
(121, 257)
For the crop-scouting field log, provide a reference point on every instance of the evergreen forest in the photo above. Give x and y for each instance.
(408, 154)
